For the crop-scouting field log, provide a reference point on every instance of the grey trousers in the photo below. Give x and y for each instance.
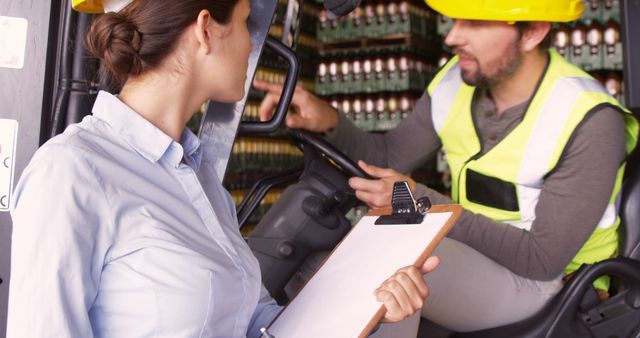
(468, 291)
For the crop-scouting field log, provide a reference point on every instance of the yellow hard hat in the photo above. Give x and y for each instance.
(510, 10)
(99, 6)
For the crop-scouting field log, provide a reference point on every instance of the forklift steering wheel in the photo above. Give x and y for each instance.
(331, 153)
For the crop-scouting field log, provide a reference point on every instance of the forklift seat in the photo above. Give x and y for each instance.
(577, 311)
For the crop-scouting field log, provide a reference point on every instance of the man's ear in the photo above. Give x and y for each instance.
(207, 30)
(534, 34)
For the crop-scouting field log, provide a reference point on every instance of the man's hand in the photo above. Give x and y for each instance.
(311, 113)
(404, 293)
(377, 193)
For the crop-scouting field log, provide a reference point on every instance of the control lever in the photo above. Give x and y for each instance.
(325, 212)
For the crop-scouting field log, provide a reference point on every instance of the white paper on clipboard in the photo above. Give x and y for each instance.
(339, 300)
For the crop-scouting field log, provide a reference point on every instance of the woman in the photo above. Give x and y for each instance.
(114, 236)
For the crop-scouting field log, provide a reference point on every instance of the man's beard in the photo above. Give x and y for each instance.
(499, 70)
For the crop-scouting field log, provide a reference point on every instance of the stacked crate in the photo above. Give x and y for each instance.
(377, 61)
(594, 43)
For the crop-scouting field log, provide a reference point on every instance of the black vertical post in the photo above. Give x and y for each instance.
(83, 74)
(630, 22)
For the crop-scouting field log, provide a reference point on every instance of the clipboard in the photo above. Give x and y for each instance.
(338, 301)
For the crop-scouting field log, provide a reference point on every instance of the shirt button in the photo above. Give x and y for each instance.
(493, 137)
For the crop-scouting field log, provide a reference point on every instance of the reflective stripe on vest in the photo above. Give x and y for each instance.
(545, 135)
(446, 92)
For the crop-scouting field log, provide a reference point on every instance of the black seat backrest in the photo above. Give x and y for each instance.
(630, 208)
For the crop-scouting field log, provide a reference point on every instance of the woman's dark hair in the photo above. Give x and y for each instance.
(143, 33)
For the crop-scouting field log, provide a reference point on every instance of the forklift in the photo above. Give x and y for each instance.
(47, 83)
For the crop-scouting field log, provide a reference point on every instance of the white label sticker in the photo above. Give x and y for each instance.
(13, 41)
(8, 140)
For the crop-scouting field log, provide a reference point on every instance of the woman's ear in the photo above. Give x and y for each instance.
(202, 33)
(207, 31)
(534, 34)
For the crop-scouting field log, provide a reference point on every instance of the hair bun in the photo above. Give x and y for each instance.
(117, 41)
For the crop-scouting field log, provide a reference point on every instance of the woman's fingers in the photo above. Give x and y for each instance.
(405, 291)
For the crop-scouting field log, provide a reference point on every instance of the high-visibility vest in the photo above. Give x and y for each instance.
(505, 183)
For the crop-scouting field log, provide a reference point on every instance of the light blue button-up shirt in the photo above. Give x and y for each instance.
(114, 236)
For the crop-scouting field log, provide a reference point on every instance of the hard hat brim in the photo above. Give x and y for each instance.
(464, 10)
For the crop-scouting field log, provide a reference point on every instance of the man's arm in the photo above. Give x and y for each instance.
(403, 148)
(571, 203)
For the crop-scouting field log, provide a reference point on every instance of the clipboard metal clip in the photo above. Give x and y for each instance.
(405, 209)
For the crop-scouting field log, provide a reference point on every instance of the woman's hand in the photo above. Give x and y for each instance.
(377, 193)
(403, 294)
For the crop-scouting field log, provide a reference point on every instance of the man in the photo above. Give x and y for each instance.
(536, 150)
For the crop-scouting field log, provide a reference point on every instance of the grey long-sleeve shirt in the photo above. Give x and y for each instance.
(573, 198)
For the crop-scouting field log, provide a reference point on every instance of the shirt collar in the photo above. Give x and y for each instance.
(192, 149)
(487, 105)
(149, 141)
